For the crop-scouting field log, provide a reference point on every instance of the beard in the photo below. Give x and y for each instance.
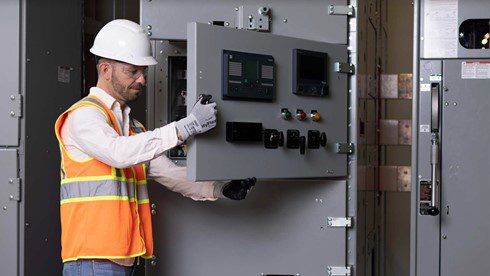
(125, 91)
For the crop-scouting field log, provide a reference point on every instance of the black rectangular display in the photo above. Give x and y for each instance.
(243, 132)
(310, 73)
(248, 76)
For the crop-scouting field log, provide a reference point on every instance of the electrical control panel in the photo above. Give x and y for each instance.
(265, 127)
(248, 76)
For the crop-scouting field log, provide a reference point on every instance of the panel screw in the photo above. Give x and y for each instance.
(5, 207)
(444, 236)
(12, 114)
(11, 197)
(12, 97)
(236, 8)
(446, 103)
(149, 33)
(285, 20)
(153, 263)
(446, 89)
(227, 23)
(455, 104)
(153, 212)
(11, 180)
(148, 27)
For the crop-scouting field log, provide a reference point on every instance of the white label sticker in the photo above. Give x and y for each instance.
(64, 74)
(424, 128)
(440, 36)
(425, 87)
(435, 78)
(475, 70)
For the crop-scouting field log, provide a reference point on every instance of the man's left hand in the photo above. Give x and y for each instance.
(238, 189)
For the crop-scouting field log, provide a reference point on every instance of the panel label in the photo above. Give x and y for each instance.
(425, 87)
(440, 28)
(475, 70)
(424, 128)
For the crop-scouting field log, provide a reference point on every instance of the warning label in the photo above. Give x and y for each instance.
(475, 70)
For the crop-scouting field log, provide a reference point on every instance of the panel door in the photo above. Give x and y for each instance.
(9, 86)
(279, 229)
(465, 186)
(212, 157)
(9, 216)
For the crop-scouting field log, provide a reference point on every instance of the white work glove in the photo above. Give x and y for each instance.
(201, 119)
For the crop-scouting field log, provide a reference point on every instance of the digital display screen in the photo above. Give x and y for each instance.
(312, 67)
(250, 69)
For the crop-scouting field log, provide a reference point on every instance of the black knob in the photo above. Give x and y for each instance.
(205, 99)
(323, 139)
(433, 211)
(302, 145)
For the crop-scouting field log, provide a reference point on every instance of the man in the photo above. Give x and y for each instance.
(106, 156)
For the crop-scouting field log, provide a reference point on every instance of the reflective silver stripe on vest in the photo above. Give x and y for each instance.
(136, 127)
(96, 188)
(142, 192)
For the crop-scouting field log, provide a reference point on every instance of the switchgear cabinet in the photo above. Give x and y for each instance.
(450, 156)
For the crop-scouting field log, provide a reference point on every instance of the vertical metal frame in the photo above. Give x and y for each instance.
(415, 129)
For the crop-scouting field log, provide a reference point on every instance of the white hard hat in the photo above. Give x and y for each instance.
(125, 41)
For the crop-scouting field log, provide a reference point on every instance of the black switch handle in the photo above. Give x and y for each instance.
(302, 145)
(205, 99)
(280, 141)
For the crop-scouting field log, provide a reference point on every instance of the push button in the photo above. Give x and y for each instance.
(300, 115)
(315, 116)
(286, 114)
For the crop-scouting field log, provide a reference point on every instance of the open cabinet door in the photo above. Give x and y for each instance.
(256, 79)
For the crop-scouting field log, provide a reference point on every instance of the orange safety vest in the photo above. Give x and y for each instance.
(105, 211)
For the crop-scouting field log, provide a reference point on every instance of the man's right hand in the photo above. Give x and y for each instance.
(201, 119)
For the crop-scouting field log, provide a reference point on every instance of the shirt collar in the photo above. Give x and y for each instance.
(107, 99)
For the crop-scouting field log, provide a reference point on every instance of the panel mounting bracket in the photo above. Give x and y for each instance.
(344, 222)
(15, 105)
(341, 10)
(344, 148)
(339, 270)
(344, 67)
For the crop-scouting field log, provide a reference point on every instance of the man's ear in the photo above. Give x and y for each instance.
(105, 70)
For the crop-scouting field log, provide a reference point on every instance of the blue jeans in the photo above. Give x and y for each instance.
(96, 268)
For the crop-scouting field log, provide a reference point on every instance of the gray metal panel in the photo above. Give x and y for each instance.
(279, 229)
(467, 9)
(9, 216)
(10, 57)
(309, 20)
(209, 153)
(53, 38)
(427, 226)
(464, 183)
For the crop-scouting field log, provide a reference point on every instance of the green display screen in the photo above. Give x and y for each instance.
(250, 69)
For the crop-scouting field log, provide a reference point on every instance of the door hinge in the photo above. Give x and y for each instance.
(341, 10)
(15, 105)
(339, 270)
(15, 190)
(344, 67)
(344, 222)
(344, 148)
